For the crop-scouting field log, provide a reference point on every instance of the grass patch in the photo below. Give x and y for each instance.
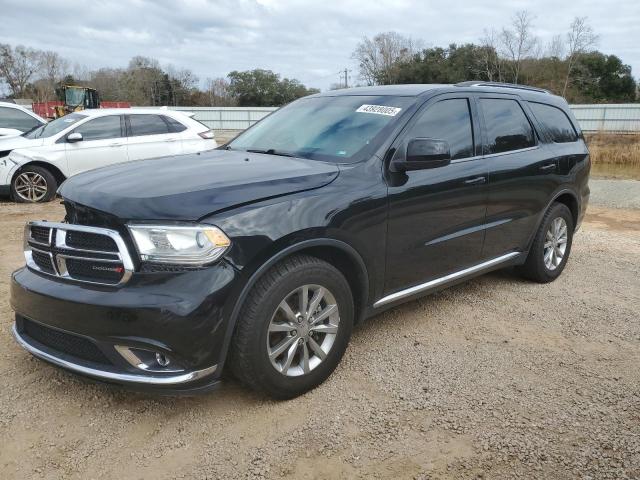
(614, 149)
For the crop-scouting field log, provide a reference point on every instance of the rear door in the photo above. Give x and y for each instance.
(522, 173)
(436, 216)
(103, 143)
(151, 136)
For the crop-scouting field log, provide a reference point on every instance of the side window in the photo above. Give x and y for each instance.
(175, 125)
(147, 125)
(555, 121)
(101, 128)
(17, 119)
(448, 120)
(507, 126)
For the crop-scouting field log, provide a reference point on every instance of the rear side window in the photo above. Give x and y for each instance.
(147, 125)
(174, 125)
(555, 121)
(100, 128)
(17, 119)
(507, 126)
(448, 120)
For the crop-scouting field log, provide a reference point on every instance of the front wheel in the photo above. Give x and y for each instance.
(33, 184)
(294, 328)
(551, 246)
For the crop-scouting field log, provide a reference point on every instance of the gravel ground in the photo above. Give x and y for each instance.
(495, 378)
(615, 193)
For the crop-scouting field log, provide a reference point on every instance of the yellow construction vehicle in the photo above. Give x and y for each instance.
(77, 98)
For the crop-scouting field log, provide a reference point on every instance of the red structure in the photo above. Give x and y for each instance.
(48, 109)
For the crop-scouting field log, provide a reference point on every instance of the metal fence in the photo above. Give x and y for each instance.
(610, 118)
(226, 118)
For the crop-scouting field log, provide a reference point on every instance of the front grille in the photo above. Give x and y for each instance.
(90, 241)
(78, 252)
(92, 271)
(40, 234)
(66, 343)
(43, 261)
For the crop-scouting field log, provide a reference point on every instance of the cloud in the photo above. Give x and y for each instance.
(308, 40)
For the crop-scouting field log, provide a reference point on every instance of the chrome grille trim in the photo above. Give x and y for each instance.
(58, 241)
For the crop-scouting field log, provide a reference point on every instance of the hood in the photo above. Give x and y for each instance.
(189, 187)
(13, 142)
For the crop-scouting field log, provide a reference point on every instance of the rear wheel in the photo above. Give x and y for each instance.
(293, 328)
(33, 184)
(551, 246)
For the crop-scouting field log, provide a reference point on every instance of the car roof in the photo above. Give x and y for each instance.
(100, 112)
(420, 90)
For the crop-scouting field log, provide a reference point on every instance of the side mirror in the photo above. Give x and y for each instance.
(74, 137)
(423, 153)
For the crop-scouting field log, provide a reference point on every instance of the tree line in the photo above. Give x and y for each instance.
(569, 65)
(39, 75)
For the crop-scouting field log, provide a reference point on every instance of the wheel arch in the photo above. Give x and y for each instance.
(55, 171)
(336, 252)
(566, 197)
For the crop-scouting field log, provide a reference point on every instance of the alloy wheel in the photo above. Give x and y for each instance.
(302, 330)
(31, 186)
(555, 244)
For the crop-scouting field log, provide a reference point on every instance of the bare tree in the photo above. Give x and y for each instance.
(491, 62)
(17, 67)
(52, 70)
(555, 48)
(378, 56)
(580, 38)
(218, 92)
(518, 42)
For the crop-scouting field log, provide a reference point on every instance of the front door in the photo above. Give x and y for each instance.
(103, 143)
(437, 216)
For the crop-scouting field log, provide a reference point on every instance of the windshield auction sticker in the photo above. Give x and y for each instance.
(379, 110)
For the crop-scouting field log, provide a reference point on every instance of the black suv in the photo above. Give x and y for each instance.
(263, 254)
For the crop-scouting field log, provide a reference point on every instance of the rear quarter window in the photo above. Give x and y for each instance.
(555, 122)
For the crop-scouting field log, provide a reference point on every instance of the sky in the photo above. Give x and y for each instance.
(308, 40)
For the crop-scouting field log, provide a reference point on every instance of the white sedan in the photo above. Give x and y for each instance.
(33, 165)
(15, 120)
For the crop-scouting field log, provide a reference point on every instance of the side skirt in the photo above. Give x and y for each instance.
(438, 282)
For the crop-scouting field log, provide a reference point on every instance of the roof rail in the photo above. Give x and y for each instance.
(477, 83)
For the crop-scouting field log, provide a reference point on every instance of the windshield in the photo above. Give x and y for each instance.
(74, 96)
(56, 126)
(323, 128)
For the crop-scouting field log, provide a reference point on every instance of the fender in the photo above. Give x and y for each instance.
(317, 242)
(555, 196)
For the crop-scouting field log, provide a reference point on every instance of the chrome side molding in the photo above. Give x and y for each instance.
(423, 287)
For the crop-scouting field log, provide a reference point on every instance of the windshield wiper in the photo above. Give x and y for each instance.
(272, 151)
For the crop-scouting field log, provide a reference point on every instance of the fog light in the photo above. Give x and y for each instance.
(162, 359)
(148, 360)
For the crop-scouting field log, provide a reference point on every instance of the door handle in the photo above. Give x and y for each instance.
(548, 167)
(116, 144)
(475, 181)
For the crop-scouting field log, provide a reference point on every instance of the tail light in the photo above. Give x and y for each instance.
(208, 135)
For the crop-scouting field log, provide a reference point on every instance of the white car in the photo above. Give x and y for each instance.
(15, 120)
(33, 165)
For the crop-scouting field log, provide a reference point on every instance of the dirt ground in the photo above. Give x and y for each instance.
(495, 378)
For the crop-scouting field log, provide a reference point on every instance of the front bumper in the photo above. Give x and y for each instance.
(177, 314)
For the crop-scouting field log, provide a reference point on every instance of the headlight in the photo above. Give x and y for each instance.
(193, 245)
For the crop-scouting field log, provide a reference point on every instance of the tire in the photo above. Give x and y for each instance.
(538, 266)
(27, 185)
(258, 331)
